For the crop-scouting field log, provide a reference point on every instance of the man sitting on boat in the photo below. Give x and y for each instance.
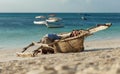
(50, 38)
(46, 43)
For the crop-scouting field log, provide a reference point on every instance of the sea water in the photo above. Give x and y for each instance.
(18, 30)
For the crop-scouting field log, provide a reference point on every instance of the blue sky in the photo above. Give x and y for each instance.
(59, 6)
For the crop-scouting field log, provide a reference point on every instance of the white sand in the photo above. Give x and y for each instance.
(102, 44)
(99, 57)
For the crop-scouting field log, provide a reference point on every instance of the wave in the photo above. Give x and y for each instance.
(17, 23)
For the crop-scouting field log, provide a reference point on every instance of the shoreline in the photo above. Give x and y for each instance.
(86, 43)
(110, 43)
(89, 45)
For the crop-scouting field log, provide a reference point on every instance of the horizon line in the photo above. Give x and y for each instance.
(59, 12)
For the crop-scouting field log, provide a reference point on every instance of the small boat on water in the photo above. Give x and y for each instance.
(51, 22)
(52, 15)
(54, 25)
(53, 19)
(40, 20)
(83, 18)
(40, 17)
(54, 22)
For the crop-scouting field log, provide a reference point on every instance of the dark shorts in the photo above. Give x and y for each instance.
(46, 40)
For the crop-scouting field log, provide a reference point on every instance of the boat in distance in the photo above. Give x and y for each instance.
(54, 25)
(53, 19)
(39, 22)
(40, 17)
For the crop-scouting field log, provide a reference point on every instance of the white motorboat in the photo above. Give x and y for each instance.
(39, 22)
(52, 15)
(83, 18)
(54, 25)
(40, 17)
(53, 19)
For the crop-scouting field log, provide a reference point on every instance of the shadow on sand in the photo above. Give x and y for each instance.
(99, 49)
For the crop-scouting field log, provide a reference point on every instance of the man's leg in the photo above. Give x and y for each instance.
(44, 40)
(35, 52)
(30, 45)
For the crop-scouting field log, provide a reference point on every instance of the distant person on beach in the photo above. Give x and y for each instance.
(49, 38)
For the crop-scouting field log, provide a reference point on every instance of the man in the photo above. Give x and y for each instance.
(47, 39)
(46, 43)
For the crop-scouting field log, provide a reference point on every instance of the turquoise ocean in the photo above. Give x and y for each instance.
(18, 30)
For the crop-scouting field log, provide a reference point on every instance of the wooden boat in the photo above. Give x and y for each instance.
(71, 44)
(76, 44)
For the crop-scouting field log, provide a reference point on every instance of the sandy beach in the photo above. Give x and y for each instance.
(99, 57)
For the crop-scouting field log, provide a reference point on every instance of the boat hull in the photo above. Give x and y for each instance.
(54, 26)
(53, 19)
(39, 22)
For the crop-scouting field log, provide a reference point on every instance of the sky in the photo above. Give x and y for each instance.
(60, 6)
